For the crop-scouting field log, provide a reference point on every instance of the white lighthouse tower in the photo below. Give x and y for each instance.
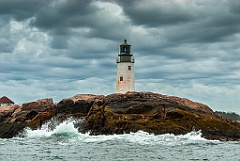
(125, 69)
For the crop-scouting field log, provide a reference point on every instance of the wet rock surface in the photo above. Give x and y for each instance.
(121, 113)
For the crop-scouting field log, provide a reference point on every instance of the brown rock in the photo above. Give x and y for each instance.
(87, 97)
(7, 111)
(29, 110)
(39, 119)
(140, 102)
(193, 105)
(65, 105)
(39, 105)
(123, 113)
(133, 111)
(79, 104)
(9, 130)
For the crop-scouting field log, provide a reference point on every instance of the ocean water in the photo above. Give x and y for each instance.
(62, 142)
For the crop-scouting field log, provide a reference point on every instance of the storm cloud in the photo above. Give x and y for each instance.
(58, 48)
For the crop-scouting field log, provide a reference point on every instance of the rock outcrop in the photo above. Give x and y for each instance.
(158, 114)
(15, 118)
(122, 113)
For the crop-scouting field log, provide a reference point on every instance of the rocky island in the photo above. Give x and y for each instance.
(121, 113)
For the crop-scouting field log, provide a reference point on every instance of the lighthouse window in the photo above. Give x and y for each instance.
(121, 78)
(129, 67)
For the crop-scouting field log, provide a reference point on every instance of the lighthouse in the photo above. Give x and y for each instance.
(125, 69)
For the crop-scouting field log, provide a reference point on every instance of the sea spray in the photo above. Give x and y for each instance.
(66, 130)
(54, 127)
(145, 138)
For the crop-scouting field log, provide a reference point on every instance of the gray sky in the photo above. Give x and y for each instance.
(59, 48)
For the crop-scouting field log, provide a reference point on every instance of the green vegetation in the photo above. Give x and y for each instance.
(230, 115)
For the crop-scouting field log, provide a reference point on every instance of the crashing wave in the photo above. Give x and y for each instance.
(66, 130)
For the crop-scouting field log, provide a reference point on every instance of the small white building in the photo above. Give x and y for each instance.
(4, 101)
(125, 69)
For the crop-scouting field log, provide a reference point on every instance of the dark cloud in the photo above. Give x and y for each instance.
(59, 42)
(64, 14)
(21, 9)
(157, 13)
(5, 39)
(60, 48)
(234, 6)
(201, 34)
(80, 18)
(5, 45)
(186, 23)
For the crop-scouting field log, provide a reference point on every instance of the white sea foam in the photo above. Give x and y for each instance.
(67, 129)
(145, 138)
